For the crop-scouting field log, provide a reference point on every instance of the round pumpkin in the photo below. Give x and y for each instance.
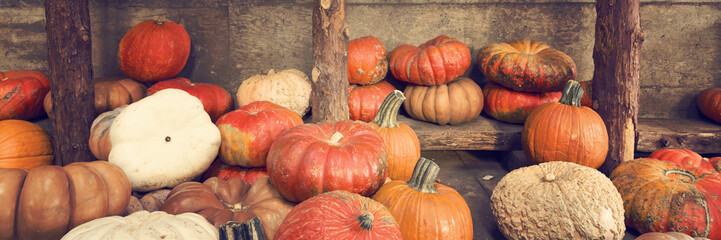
(526, 65)
(453, 103)
(163, 140)
(667, 236)
(289, 88)
(684, 157)
(248, 132)
(425, 209)
(565, 131)
(150, 201)
(99, 140)
(367, 63)
(221, 201)
(708, 102)
(145, 225)
(154, 50)
(364, 101)
(226, 172)
(662, 196)
(216, 100)
(402, 145)
(311, 159)
(24, 144)
(510, 106)
(22, 93)
(558, 200)
(110, 93)
(436, 62)
(47, 201)
(339, 215)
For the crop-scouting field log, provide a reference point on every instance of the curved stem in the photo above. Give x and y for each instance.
(424, 176)
(366, 221)
(250, 230)
(572, 94)
(387, 116)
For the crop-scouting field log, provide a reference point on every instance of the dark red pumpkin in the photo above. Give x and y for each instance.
(154, 50)
(22, 93)
(527, 66)
(367, 62)
(311, 159)
(364, 101)
(226, 172)
(709, 102)
(216, 100)
(435, 62)
(684, 157)
(507, 105)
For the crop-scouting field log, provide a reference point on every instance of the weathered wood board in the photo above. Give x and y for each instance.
(702, 136)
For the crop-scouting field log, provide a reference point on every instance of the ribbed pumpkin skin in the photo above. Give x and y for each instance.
(510, 106)
(154, 50)
(22, 93)
(453, 103)
(684, 157)
(247, 133)
(336, 215)
(305, 161)
(24, 145)
(526, 65)
(662, 196)
(367, 63)
(401, 141)
(146, 225)
(110, 93)
(226, 172)
(216, 100)
(99, 140)
(436, 62)
(364, 101)
(709, 102)
(47, 201)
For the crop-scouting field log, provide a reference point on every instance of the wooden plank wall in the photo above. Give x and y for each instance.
(235, 39)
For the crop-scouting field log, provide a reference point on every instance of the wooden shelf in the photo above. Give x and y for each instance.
(699, 135)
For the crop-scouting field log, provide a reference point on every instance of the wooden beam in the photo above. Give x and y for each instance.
(71, 83)
(479, 134)
(616, 84)
(701, 136)
(329, 100)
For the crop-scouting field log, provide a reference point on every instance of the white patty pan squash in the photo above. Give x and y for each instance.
(289, 88)
(163, 140)
(145, 225)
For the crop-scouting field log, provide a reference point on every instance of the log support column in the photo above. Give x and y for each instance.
(329, 100)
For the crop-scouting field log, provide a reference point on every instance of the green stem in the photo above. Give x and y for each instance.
(366, 221)
(248, 230)
(424, 176)
(387, 116)
(572, 94)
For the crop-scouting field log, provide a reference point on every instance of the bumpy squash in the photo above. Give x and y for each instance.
(436, 62)
(289, 88)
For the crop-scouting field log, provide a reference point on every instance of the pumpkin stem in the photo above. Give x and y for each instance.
(572, 94)
(271, 72)
(335, 138)
(248, 230)
(424, 176)
(366, 221)
(159, 22)
(549, 177)
(387, 116)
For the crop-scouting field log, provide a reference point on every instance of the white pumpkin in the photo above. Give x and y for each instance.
(289, 88)
(145, 225)
(163, 140)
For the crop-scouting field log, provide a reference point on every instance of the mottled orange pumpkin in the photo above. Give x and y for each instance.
(22, 93)
(364, 101)
(154, 50)
(709, 102)
(401, 141)
(507, 105)
(435, 62)
(684, 157)
(367, 63)
(24, 145)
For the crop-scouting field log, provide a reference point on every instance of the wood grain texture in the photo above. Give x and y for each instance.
(329, 99)
(71, 82)
(702, 136)
(481, 133)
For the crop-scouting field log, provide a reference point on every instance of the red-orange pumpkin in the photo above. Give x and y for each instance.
(367, 62)
(110, 93)
(401, 141)
(22, 93)
(24, 145)
(586, 100)
(684, 157)
(709, 102)
(311, 159)
(226, 172)
(216, 100)
(435, 62)
(364, 101)
(507, 105)
(154, 50)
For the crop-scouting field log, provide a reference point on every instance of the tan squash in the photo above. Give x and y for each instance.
(289, 88)
(453, 103)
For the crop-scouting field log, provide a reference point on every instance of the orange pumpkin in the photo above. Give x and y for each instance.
(435, 62)
(21, 94)
(364, 101)
(709, 102)
(24, 145)
(154, 50)
(453, 103)
(507, 105)
(566, 131)
(401, 141)
(367, 62)
(682, 156)
(110, 93)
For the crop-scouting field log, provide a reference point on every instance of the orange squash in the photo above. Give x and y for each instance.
(511, 106)
(21, 94)
(453, 103)
(24, 145)
(436, 62)
(709, 102)
(110, 93)
(367, 62)
(154, 50)
(364, 101)
(401, 141)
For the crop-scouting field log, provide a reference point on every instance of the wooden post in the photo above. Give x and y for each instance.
(616, 81)
(329, 100)
(71, 84)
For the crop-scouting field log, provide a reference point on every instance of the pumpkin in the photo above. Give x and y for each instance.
(586, 100)
(425, 209)
(667, 236)
(289, 88)
(662, 196)
(248, 230)
(453, 103)
(221, 201)
(154, 50)
(150, 201)
(99, 140)
(110, 93)
(311, 159)
(145, 225)
(216, 100)
(248, 132)
(21, 94)
(367, 63)
(684, 157)
(526, 65)
(436, 62)
(510, 106)
(163, 139)
(226, 172)
(402, 145)
(364, 101)
(708, 102)
(339, 215)
(24, 145)
(43, 203)
(558, 200)
(565, 131)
